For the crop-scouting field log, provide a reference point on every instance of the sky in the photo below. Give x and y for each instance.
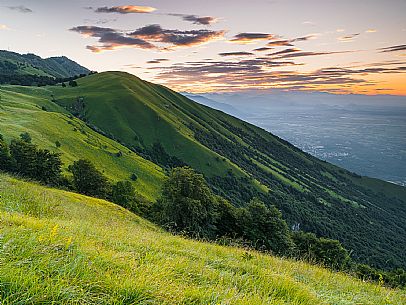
(222, 45)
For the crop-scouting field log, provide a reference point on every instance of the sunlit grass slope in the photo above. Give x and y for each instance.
(25, 113)
(139, 113)
(58, 247)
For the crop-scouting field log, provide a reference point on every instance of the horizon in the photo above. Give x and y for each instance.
(335, 47)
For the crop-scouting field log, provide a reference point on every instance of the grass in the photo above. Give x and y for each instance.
(23, 113)
(58, 247)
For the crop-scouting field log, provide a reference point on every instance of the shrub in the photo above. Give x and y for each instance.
(88, 180)
(123, 193)
(265, 228)
(73, 83)
(328, 252)
(5, 158)
(38, 164)
(25, 136)
(187, 204)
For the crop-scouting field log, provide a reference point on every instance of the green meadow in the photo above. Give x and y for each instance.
(58, 247)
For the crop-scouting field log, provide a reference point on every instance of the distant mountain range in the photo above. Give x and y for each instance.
(12, 63)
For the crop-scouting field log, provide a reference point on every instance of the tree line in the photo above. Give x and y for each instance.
(189, 207)
(39, 80)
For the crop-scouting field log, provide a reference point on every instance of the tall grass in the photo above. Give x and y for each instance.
(58, 247)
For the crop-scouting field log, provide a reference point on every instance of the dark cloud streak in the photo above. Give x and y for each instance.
(20, 9)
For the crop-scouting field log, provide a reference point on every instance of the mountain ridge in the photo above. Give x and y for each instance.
(13, 63)
(241, 161)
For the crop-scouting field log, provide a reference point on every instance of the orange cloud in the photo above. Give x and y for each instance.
(126, 9)
(246, 38)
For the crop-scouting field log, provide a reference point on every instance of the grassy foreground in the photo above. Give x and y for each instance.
(58, 247)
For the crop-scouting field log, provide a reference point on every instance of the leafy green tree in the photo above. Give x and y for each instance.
(5, 158)
(39, 164)
(123, 193)
(24, 156)
(88, 180)
(73, 83)
(48, 167)
(265, 228)
(25, 136)
(187, 204)
(227, 222)
(328, 252)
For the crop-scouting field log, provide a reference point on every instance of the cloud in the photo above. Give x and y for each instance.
(145, 37)
(286, 51)
(304, 38)
(308, 23)
(258, 73)
(348, 38)
(267, 72)
(294, 53)
(371, 31)
(280, 43)
(157, 61)
(236, 54)
(202, 20)
(3, 27)
(99, 21)
(110, 39)
(401, 47)
(245, 38)
(126, 9)
(263, 49)
(178, 38)
(20, 9)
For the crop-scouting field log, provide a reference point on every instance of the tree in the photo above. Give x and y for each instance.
(24, 156)
(39, 164)
(5, 158)
(73, 83)
(187, 204)
(48, 167)
(63, 85)
(25, 136)
(266, 228)
(227, 222)
(328, 252)
(123, 193)
(57, 144)
(88, 180)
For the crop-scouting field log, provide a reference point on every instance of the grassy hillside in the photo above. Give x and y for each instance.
(239, 160)
(63, 248)
(47, 123)
(12, 63)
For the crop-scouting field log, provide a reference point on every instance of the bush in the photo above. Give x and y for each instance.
(38, 164)
(123, 193)
(328, 252)
(265, 228)
(73, 83)
(5, 158)
(187, 204)
(88, 180)
(25, 136)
